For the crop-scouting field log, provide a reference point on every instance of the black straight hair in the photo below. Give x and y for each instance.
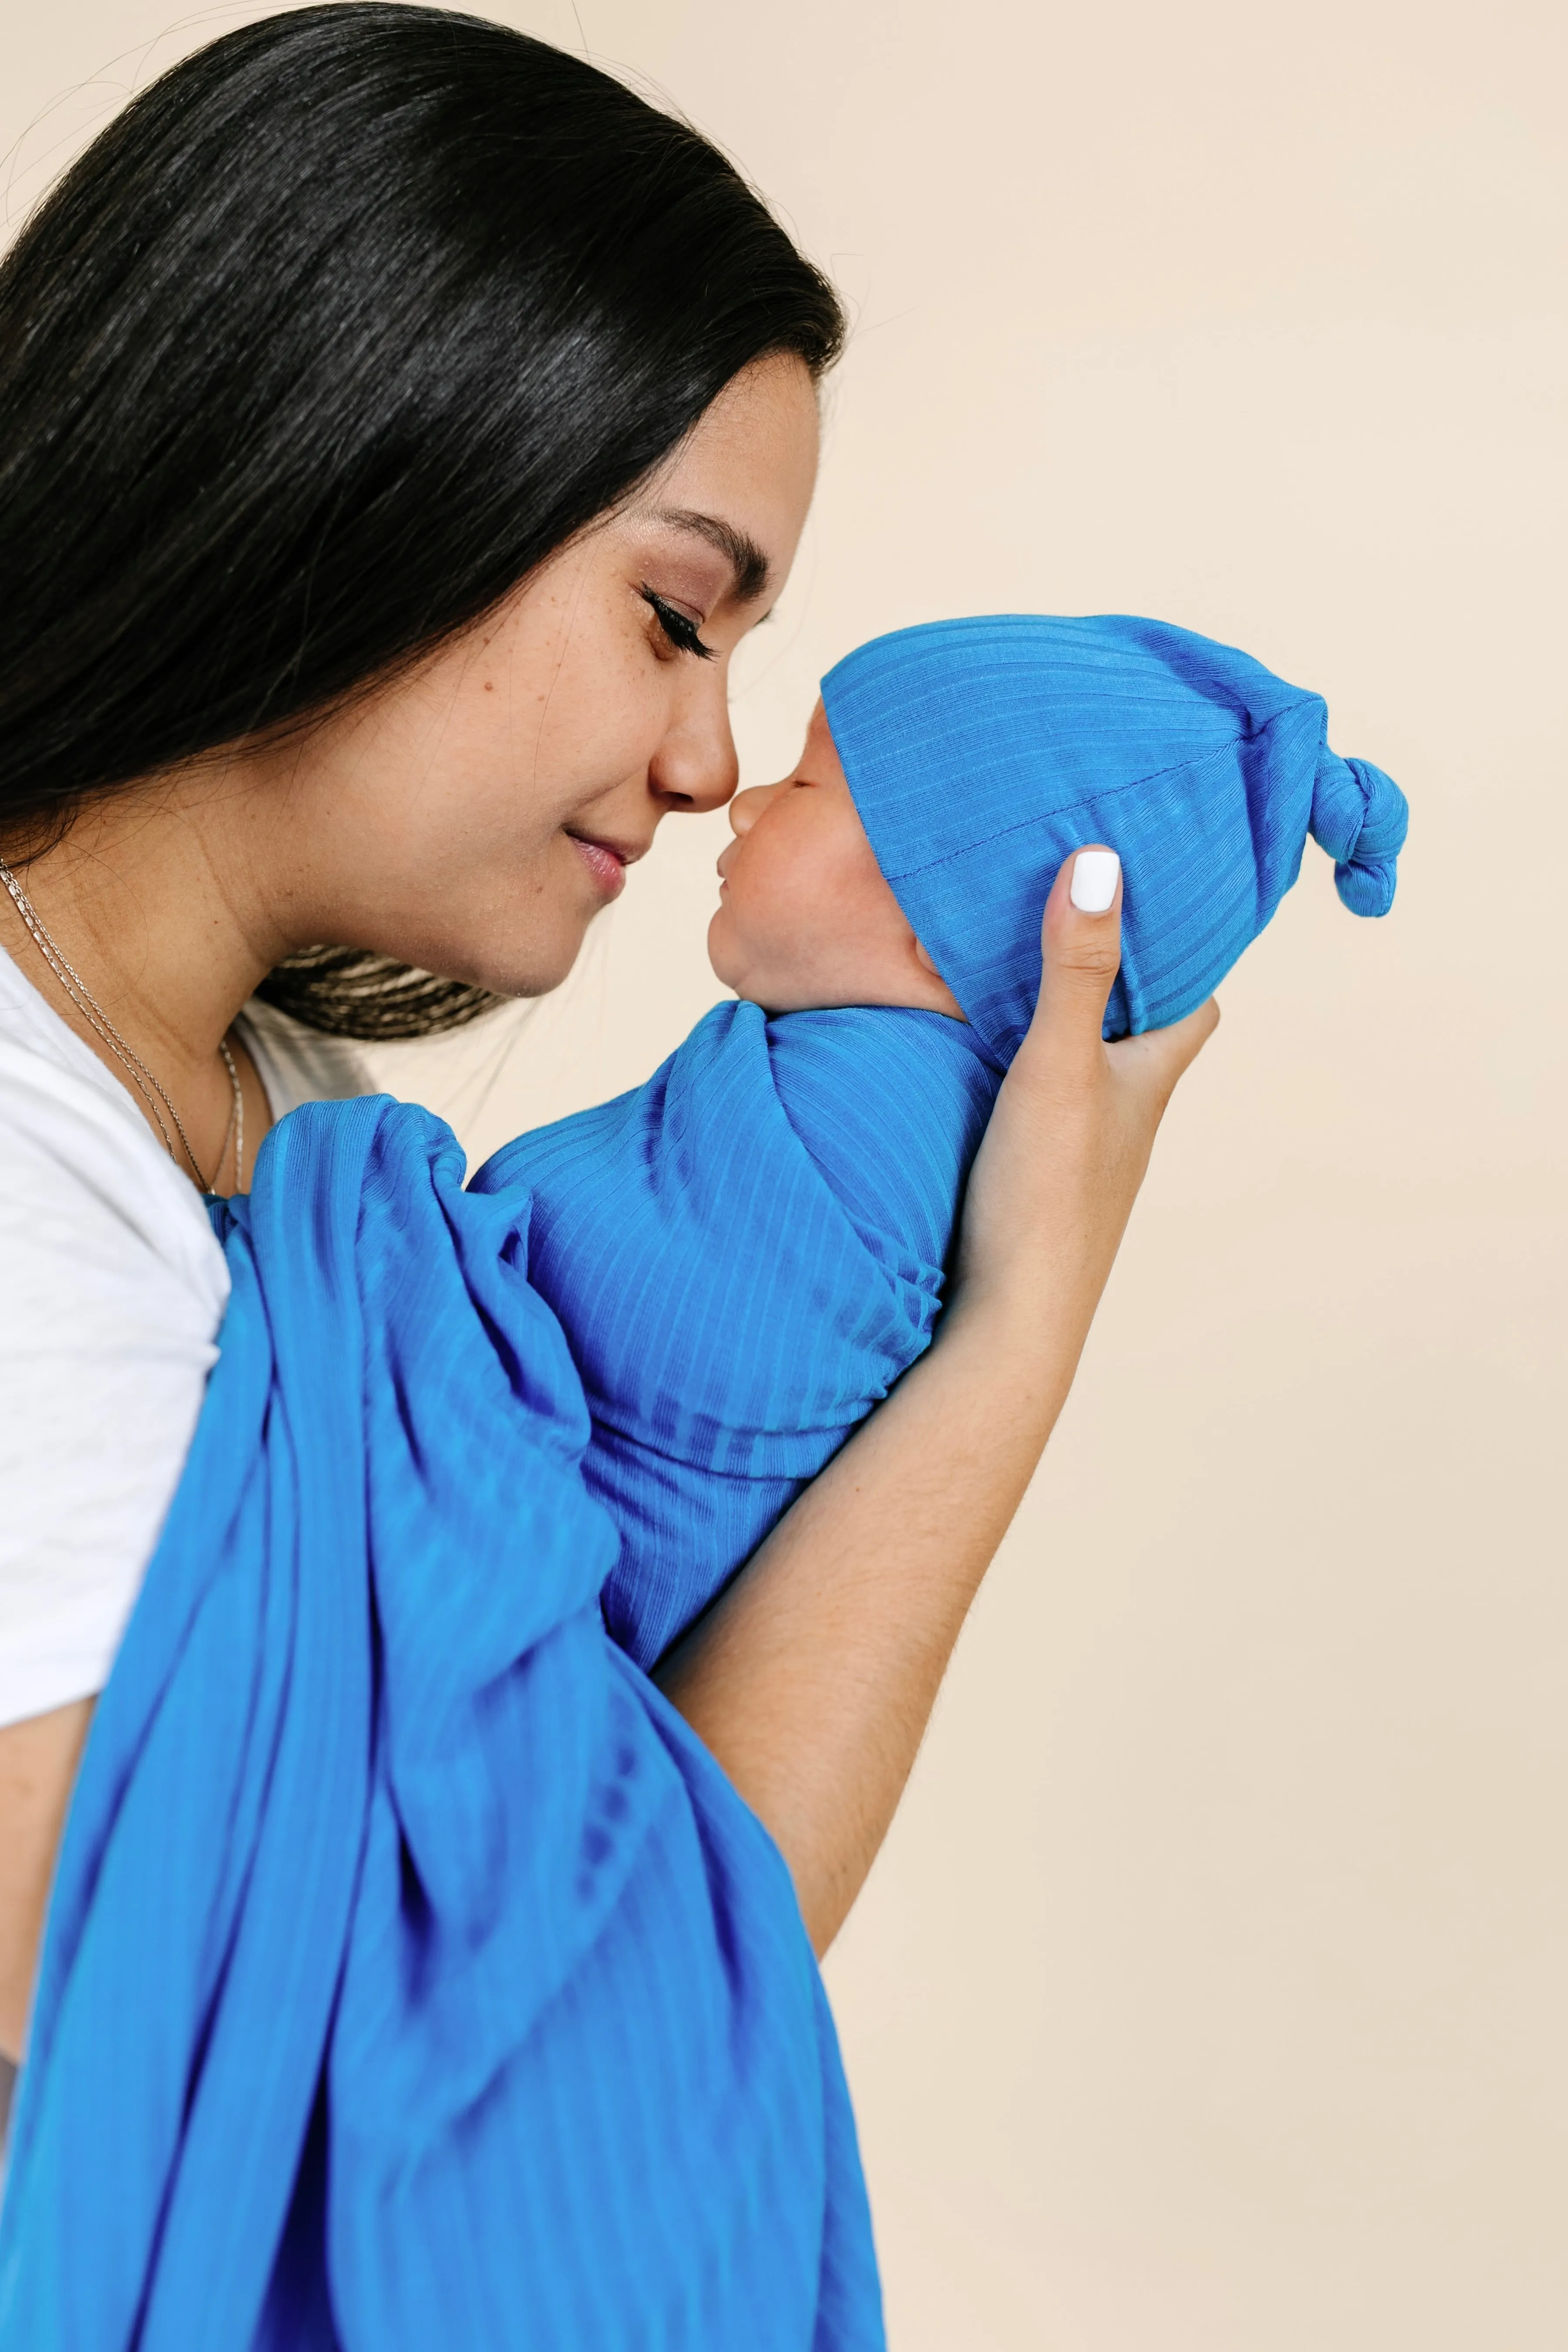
(333, 336)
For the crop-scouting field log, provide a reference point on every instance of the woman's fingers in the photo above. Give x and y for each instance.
(1059, 1166)
(1081, 946)
(1157, 1059)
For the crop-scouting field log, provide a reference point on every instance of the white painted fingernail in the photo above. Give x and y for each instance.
(1095, 874)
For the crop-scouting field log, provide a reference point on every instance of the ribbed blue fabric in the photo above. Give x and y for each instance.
(980, 752)
(745, 1253)
(413, 1977)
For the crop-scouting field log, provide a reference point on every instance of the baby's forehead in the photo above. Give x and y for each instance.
(820, 746)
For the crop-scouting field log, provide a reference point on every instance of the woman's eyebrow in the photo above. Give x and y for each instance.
(745, 558)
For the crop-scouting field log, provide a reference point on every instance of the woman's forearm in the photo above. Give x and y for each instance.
(813, 1678)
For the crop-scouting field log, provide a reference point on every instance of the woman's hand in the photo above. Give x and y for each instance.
(811, 1678)
(1068, 1143)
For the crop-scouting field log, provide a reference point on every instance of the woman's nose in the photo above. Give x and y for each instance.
(696, 767)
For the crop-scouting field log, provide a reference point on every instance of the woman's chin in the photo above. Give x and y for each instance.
(513, 968)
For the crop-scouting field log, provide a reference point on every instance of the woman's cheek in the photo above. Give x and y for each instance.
(593, 719)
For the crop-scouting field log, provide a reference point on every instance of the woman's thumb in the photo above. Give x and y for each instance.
(1081, 946)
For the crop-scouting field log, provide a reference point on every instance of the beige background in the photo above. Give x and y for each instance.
(1210, 1992)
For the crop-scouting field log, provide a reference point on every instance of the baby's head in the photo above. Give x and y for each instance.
(804, 917)
(947, 772)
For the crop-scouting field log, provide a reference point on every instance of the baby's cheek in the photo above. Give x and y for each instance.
(751, 936)
(769, 892)
(806, 918)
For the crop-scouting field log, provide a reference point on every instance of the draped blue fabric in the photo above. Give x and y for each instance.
(413, 1977)
(745, 1253)
(981, 753)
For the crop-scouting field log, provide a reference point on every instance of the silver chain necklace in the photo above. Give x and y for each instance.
(147, 1085)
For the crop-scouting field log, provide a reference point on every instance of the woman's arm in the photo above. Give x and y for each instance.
(813, 1677)
(39, 1761)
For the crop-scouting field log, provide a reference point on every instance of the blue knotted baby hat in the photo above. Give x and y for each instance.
(981, 753)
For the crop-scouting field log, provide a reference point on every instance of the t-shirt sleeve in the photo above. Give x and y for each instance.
(114, 1287)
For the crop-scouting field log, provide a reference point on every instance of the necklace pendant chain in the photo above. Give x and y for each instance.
(152, 1092)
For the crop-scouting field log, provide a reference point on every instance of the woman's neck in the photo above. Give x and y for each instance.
(136, 900)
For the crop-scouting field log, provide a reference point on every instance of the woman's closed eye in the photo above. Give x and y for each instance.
(678, 626)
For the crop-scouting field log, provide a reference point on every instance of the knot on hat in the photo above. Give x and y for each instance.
(1360, 817)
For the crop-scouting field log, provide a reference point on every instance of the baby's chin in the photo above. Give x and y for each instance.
(720, 946)
(758, 980)
(732, 963)
(777, 988)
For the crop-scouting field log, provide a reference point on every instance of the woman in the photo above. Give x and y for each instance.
(401, 425)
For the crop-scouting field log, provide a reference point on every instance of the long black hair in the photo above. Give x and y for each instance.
(328, 340)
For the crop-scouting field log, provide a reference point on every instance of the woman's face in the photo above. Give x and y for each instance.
(473, 818)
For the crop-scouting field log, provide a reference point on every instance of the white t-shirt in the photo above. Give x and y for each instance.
(111, 1291)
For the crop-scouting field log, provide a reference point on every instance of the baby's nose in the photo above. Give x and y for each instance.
(748, 807)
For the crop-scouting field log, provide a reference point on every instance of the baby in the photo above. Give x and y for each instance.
(747, 1252)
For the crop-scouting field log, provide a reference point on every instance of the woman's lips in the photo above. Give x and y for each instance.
(607, 865)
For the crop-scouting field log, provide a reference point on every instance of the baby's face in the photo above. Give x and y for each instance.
(804, 917)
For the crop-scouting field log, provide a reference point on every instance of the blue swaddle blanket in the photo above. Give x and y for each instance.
(414, 1977)
(746, 1251)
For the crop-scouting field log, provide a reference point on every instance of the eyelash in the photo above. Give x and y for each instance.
(682, 632)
